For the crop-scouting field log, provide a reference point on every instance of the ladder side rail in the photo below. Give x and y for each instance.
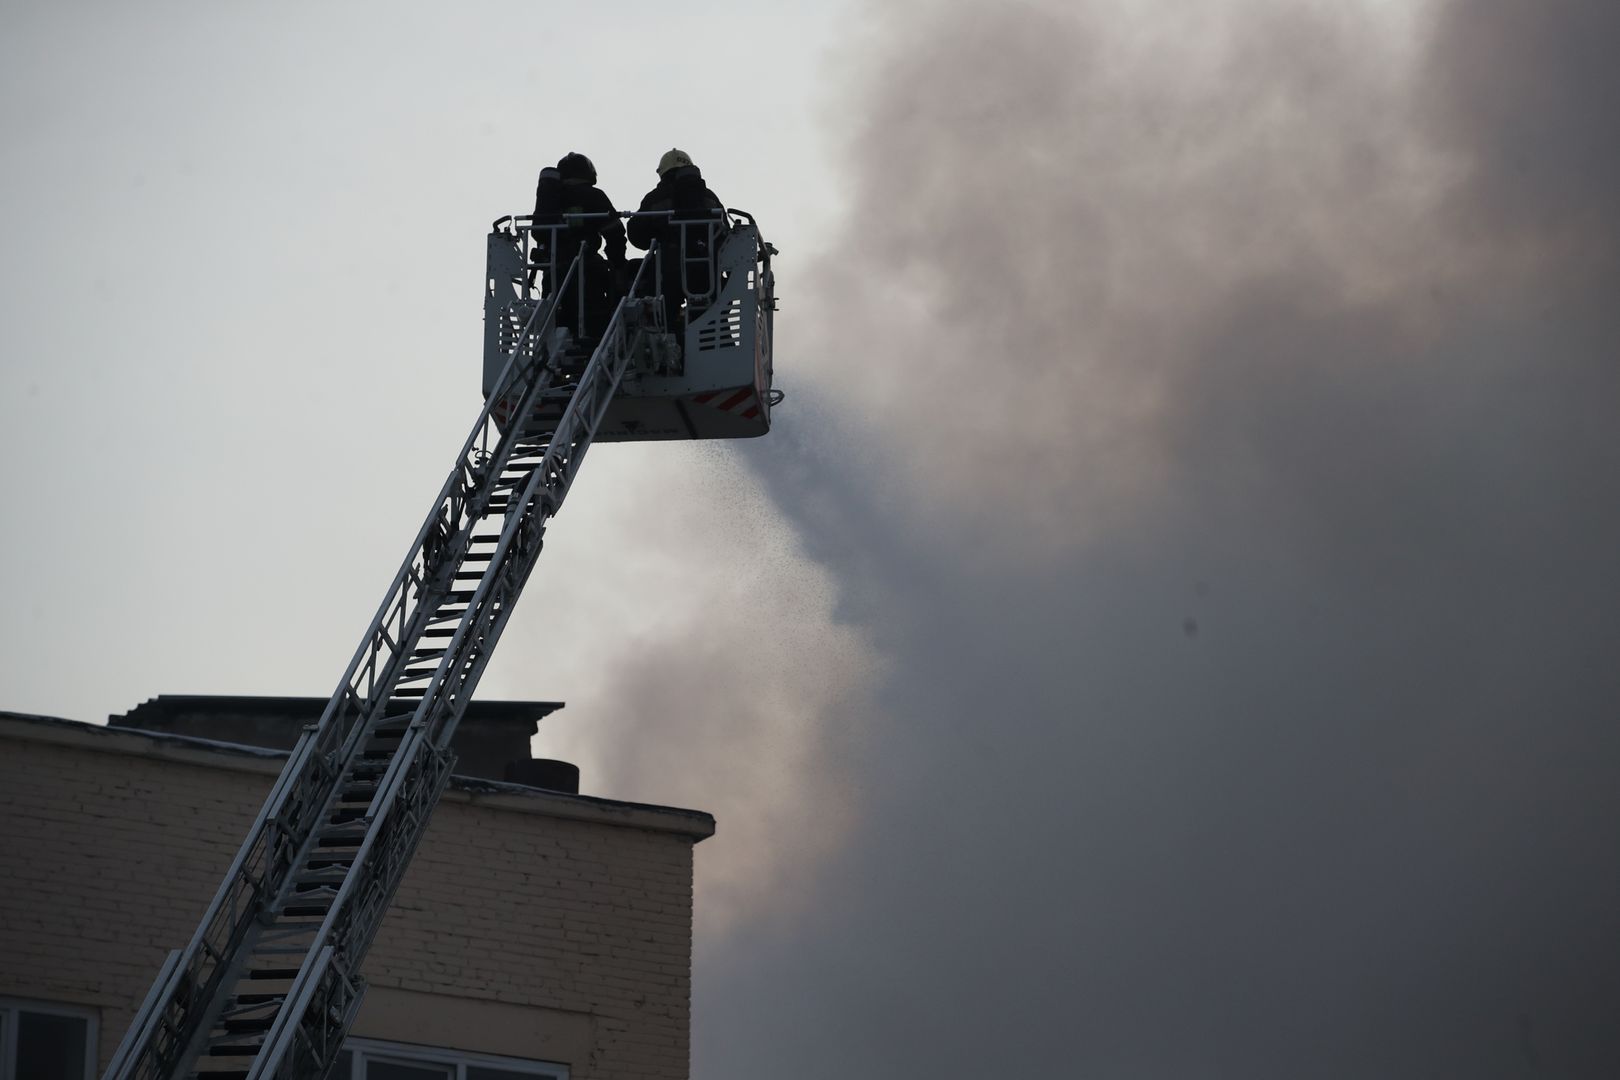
(516, 553)
(359, 704)
(450, 514)
(390, 853)
(359, 688)
(460, 516)
(195, 979)
(379, 864)
(304, 1042)
(456, 512)
(305, 984)
(357, 910)
(462, 502)
(564, 452)
(555, 472)
(474, 510)
(304, 989)
(160, 991)
(229, 915)
(583, 414)
(201, 967)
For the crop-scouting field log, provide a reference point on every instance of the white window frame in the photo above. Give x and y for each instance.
(458, 1060)
(9, 1010)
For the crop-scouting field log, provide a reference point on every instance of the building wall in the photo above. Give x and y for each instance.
(530, 924)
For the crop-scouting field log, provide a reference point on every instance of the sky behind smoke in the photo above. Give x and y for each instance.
(1170, 630)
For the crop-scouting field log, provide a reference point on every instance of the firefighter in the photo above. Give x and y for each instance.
(685, 218)
(570, 210)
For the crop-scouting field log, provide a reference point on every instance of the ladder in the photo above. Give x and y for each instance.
(270, 981)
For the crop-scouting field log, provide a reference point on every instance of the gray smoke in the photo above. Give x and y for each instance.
(1213, 424)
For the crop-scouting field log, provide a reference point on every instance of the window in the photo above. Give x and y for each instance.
(46, 1042)
(368, 1059)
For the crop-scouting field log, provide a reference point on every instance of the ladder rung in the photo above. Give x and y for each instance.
(262, 999)
(243, 1026)
(305, 911)
(330, 884)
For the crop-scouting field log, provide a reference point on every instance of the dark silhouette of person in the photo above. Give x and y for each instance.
(570, 211)
(685, 218)
(548, 193)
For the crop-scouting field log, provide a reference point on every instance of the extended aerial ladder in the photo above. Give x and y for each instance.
(270, 981)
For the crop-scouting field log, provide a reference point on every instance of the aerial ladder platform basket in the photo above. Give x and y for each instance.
(270, 981)
(708, 376)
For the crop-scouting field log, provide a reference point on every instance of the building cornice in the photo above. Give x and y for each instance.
(491, 794)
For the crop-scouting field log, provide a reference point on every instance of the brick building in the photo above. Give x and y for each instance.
(538, 933)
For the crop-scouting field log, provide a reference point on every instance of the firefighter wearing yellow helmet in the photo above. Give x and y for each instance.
(685, 217)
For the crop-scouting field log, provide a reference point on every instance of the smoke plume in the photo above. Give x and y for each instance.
(1212, 423)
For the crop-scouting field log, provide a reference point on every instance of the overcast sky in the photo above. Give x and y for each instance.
(1171, 630)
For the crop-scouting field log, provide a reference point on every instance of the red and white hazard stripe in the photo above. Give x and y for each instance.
(743, 402)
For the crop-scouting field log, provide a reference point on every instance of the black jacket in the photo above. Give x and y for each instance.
(681, 191)
(554, 198)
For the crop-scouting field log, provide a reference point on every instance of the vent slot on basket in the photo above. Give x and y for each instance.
(721, 327)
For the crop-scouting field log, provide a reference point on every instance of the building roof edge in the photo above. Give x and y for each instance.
(208, 753)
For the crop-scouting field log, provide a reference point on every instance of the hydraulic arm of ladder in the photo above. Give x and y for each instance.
(270, 982)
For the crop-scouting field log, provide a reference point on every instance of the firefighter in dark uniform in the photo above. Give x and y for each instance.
(686, 219)
(570, 210)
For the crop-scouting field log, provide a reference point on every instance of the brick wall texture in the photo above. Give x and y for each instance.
(108, 859)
